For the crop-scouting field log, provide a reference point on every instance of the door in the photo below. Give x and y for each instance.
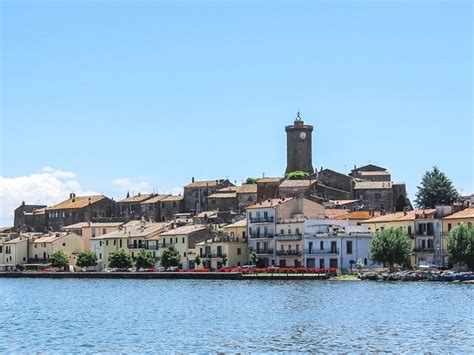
(310, 263)
(333, 263)
(321, 263)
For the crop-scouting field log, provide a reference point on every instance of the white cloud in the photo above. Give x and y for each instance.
(125, 185)
(48, 187)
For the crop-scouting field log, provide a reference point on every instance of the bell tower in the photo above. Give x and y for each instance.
(298, 146)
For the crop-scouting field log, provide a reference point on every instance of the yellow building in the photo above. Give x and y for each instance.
(15, 252)
(131, 237)
(465, 216)
(184, 239)
(90, 230)
(404, 220)
(232, 245)
(41, 248)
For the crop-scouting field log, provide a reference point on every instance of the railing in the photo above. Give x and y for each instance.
(288, 252)
(322, 251)
(37, 260)
(264, 251)
(261, 236)
(262, 219)
(211, 255)
(424, 250)
(288, 236)
(146, 246)
(136, 246)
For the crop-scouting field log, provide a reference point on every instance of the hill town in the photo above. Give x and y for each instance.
(308, 218)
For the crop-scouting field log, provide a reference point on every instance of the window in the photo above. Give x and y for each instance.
(321, 245)
(100, 243)
(176, 240)
(365, 261)
(1, 248)
(239, 251)
(409, 230)
(171, 240)
(361, 196)
(120, 243)
(449, 227)
(184, 254)
(378, 196)
(183, 240)
(162, 205)
(93, 232)
(100, 256)
(349, 246)
(104, 231)
(64, 244)
(297, 231)
(115, 242)
(106, 242)
(282, 231)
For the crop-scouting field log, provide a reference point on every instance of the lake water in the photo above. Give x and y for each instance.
(262, 316)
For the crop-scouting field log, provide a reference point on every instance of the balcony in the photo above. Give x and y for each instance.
(424, 250)
(38, 260)
(288, 236)
(146, 246)
(261, 236)
(136, 246)
(268, 219)
(264, 251)
(288, 253)
(211, 255)
(322, 251)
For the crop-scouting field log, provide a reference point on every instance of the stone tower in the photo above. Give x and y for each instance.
(298, 147)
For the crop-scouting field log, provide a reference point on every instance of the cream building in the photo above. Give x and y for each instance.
(15, 252)
(88, 230)
(41, 248)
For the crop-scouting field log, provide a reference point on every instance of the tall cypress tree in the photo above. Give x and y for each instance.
(435, 189)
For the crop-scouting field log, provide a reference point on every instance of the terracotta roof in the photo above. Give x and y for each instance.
(172, 198)
(77, 202)
(399, 216)
(241, 223)
(373, 185)
(184, 230)
(297, 183)
(136, 230)
(210, 183)
(136, 198)
(223, 195)
(208, 214)
(270, 203)
(373, 173)
(363, 214)
(154, 199)
(467, 213)
(93, 225)
(333, 213)
(228, 189)
(16, 240)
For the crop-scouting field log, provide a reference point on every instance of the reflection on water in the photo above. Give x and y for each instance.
(261, 316)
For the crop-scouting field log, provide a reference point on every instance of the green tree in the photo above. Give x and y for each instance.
(435, 189)
(392, 246)
(170, 257)
(253, 258)
(460, 245)
(402, 202)
(144, 260)
(224, 259)
(296, 175)
(251, 180)
(86, 259)
(59, 259)
(197, 261)
(120, 259)
(359, 264)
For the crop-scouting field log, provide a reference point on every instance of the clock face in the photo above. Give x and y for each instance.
(303, 135)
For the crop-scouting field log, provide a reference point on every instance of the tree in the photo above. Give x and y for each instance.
(224, 259)
(253, 258)
(170, 257)
(86, 259)
(197, 261)
(460, 245)
(251, 180)
(120, 259)
(435, 189)
(59, 259)
(402, 202)
(296, 175)
(392, 246)
(144, 260)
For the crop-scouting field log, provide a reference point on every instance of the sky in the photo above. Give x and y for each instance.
(116, 96)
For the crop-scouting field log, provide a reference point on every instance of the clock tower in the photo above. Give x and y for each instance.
(298, 147)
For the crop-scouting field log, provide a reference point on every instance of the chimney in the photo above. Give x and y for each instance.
(192, 179)
(72, 195)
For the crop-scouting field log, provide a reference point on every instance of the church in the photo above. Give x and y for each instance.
(366, 188)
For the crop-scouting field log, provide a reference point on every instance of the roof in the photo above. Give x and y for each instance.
(40, 211)
(467, 213)
(173, 198)
(297, 183)
(136, 198)
(223, 195)
(363, 214)
(136, 230)
(241, 223)
(247, 188)
(269, 180)
(399, 216)
(207, 183)
(369, 167)
(155, 199)
(344, 202)
(92, 225)
(77, 202)
(184, 230)
(207, 214)
(373, 185)
(333, 213)
(228, 189)
(16, 240)
(270, 203)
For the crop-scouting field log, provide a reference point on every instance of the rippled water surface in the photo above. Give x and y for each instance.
(262, 316)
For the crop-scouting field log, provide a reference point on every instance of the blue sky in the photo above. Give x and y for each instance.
(145, 95)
